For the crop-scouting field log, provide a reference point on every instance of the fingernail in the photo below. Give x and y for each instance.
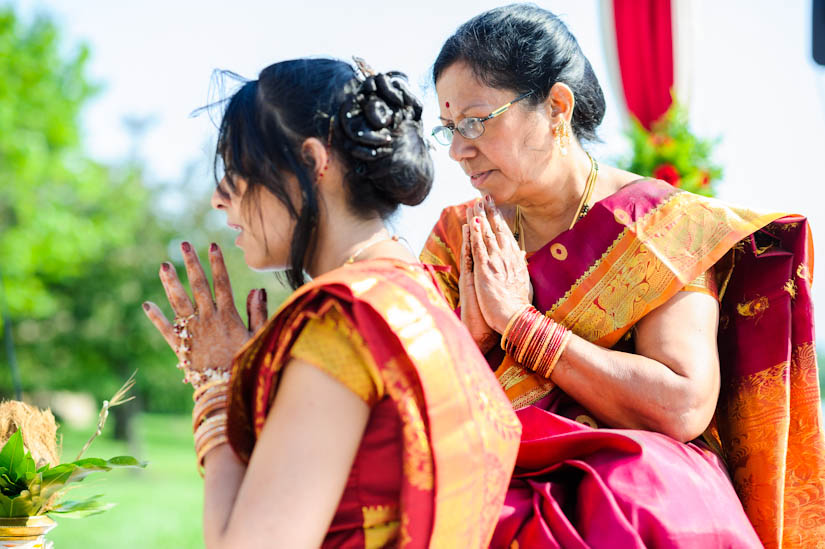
(488, 198)
(476, 220)
(145, 306)
(213, 247)
(185, 247)
(263, 295)
(166, 266)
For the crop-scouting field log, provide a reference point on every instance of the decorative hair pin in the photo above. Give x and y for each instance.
(364, 69)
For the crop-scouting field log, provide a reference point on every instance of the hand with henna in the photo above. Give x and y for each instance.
(501, 278)
(217, 330)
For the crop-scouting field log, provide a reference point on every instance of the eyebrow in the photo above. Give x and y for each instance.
(467, 108)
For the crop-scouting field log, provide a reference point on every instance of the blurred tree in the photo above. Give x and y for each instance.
(80, 243)
(74, 234)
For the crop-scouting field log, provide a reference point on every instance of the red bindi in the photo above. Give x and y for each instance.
(447, 104)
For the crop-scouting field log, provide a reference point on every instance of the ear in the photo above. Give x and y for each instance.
(316, 155)
(561, 101)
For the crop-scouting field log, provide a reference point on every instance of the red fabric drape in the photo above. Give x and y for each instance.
(644, 43)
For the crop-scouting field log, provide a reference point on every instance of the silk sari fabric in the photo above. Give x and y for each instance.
(460, 436)
(632, 252)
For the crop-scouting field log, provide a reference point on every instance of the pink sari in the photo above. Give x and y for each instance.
(576, 485)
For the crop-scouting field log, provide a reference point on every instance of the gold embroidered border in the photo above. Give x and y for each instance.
(775, 451)
(381, 525)
(663, 250)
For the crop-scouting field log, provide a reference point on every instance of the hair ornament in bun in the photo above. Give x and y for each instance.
(364, 70)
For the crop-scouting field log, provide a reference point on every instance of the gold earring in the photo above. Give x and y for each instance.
(562, 135)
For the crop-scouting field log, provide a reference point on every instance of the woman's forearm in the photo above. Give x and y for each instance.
(626, 390)
(223, 475)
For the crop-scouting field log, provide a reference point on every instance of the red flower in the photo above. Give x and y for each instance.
(705, 181)
(660, 140)
(669, 173)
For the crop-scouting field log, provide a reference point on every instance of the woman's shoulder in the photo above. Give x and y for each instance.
(330, 341)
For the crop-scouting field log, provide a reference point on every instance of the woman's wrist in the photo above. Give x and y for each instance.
(507, 315)
(534, 340)
(209, 418)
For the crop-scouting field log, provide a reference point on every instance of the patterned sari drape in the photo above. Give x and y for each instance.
(634, 251)
(460, 434)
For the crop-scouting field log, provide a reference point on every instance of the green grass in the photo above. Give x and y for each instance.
(160, 506)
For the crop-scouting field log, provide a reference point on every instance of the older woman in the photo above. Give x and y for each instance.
(598, 297)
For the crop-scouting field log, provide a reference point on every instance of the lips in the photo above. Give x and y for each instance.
(477, 179)
(240, 231)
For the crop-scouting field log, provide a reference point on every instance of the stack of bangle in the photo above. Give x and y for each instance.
(209, 418)
(534, 340)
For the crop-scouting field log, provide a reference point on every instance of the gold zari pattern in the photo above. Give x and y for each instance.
(759, 434)
(381, 525)
(333, 345)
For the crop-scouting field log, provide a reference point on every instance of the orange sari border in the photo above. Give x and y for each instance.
(460, 433)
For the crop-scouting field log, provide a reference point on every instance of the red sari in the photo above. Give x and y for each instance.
(576, 485)
(435, 459)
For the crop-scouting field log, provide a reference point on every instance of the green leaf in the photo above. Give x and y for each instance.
(5, 506)
(58, 477)
(126, 461)
(22, 505)
(12, 455)
(81, 508)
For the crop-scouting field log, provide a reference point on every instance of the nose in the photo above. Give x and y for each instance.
(218, 201)
(461, 148)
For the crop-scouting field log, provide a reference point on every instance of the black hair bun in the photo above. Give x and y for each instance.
(381, 132)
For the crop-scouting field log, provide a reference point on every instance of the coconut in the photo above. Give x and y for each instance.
(39, 430)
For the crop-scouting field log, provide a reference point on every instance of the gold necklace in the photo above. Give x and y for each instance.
(368, 245)
(581, 211)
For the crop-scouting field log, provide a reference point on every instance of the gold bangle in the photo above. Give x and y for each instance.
(206, 434)
(209, 424)
(211, 445)
(204, 408)
(207, 437)
(210, 386)
(212, 420)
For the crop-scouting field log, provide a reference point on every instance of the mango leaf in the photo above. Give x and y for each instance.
(22, 505)
(15, 460)
(5, 506)
(59, 476)
(126, 461)
(12, 455)
(82, 508)
(11, 487)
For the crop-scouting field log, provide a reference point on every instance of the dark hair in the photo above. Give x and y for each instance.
(372, 125)
(524, 48)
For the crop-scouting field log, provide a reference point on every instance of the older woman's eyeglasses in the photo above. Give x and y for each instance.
(471, 127)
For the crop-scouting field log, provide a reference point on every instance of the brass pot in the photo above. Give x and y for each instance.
(25, 532)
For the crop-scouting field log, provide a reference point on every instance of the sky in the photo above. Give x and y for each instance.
(752, 83)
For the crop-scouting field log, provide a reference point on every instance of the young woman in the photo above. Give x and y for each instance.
(361, 414)
(605, 336)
